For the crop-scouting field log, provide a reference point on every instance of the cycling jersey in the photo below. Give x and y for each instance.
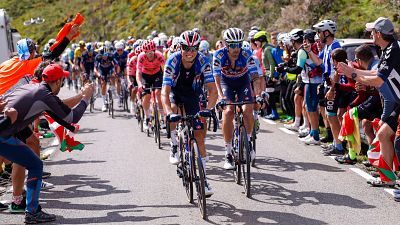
(78, 54)
(121, 59)
(132, 62)
(175, 76)
(235, 82)
(105, 65)
(31, 100)
(307, 64)
(150, 67)
(327, 59)
(88, 61)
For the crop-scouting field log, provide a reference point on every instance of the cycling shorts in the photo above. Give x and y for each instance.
(311, 97)
(370, 108)
(237, 93)
(154, 80)
(24, 134)
(106, 73)
(321, 95)
(191, 105)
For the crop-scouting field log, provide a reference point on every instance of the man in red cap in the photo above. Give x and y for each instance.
(23, 105)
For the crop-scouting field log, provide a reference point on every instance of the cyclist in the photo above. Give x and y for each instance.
(185, 73)
(234, 70)
(77, 62)
(121, 56)
(204, 48)
(24, 105)
(87, 61)
(149, 74)
(131, 77)
(104, 69)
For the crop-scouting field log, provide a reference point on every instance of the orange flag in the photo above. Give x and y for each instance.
(78, 20)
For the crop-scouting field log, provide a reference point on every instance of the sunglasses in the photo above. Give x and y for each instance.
(119, 50)
(190, 48)
(234, 45)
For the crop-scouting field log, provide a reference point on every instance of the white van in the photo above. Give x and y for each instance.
(8, 37)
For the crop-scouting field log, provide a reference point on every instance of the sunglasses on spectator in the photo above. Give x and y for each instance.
(190, 48)
(234, 45)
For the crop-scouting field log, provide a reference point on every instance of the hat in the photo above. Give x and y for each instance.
(382, 24)
(54, 72)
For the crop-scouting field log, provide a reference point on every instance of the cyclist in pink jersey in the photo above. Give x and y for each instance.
(131, 75)
(149, 74)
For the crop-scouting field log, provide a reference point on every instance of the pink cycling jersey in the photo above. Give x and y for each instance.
(150, 67)
(132, 63)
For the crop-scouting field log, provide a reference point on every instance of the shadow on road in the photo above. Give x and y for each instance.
(250, 217)
(87, 130)
(81, 186)
(277, 164)
(275, 194)
(71, 161)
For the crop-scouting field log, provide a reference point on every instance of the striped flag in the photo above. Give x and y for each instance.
(65, 137)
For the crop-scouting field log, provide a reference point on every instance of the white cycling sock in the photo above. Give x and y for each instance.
(174, 141)
(104, 99)
(306, 122)
(228, 148)
(297, 121)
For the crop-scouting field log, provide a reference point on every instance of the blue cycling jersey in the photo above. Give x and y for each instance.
(121, 59)
(327, 59)
(245, 66)
(106, 62)
(175, 75)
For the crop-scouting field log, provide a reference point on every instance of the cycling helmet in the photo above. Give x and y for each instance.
(149, 46)
(119, 45)
(204, 46)
(256, 28)
(296, 34)
(89, 47)
(190, 38)
(280, 37)
(197, 30)
(107, 44)
(51, 41)
(326, 25)
(261, 36)
(82, 44)
(246, 45)
(73, 46)
(310, 35)
(163, 37)
(286, 40)
(157, 41)
(251, 34)
(233, 35)
(138, 50)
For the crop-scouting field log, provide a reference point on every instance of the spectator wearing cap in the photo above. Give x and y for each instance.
(24, 105)
(387, 79)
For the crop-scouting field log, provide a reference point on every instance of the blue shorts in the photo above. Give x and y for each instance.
(237, 93)
(311, 97)
(191, 104)
(106, 73)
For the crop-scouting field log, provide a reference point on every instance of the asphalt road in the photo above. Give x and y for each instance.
(122, 178)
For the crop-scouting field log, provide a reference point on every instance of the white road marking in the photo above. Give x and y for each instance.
(362, 173)
(389, 190)
(286, 130)
(268, 121)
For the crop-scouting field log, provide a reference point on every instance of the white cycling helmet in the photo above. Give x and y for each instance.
(204, 46)
(296, 34)
(107, 44)
(286, 40)
(251, 34)
(119, 45)
(190, 38)
(246, 45)
(280, 37)
(326, 25)
(157, 41)
(233, 35)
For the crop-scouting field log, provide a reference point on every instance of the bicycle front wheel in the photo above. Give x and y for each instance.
(244, 155)
(237, 173)
(199, 177)
(187, 175)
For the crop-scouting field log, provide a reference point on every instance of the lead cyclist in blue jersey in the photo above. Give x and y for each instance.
(234, 70)
(185, 73)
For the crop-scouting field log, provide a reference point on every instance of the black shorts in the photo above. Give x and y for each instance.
(321, 95)
(154, 80)
(106, 73)
(132, 79)
(370, 108)
(342, 100)
(392, 120)
(24, 134)
(191, 104)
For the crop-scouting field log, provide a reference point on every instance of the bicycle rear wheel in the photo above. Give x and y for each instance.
(199, 177)
(244, 155)
(140, 117)
(237, 173)
(110, 104)
(187, 180)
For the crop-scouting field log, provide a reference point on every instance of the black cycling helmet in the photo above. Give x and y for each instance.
(309, 35)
